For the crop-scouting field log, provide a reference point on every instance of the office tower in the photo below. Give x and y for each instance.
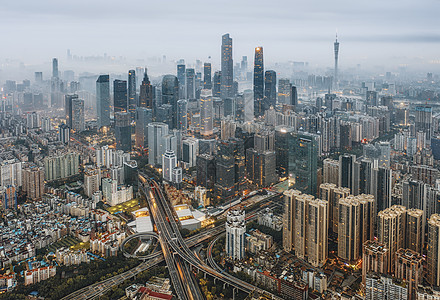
(371, 98)
(132, 92)
(146, 94)
(120, 95)
(433, 252)
(39, 77)
(230, 169)
(169, 162)
(206, 112)
(182, 115)
(170, 95)
(68, 111)
(270, 88)
(205, 171)
(227, 68)
(190, 84)
(259, 107)
(284, 88)
(260, 167)
(349, 242)
(64, 133)
(409, 268)
(103, 100)
(190, 149)
(330, 171)
(156, 133)
(317, 232)
(391, 231)
(33, 182)
(381, 187)
(164, 114)
(216, 88)
(423, 120)
(92, 179)
(282, 136)
(77, 119)
(384, 287)
(289, 219)
(374, 259)
(336, 49)
(235, 230)
(207, 84)
(123, 131)
(55, 73)
(346, 170)
(181, 74)
(144, 116)
(303, 161)
(293, 97)
(229, 107)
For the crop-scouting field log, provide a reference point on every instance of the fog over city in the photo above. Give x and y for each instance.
(375, 35)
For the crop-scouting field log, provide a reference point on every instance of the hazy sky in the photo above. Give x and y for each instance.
(370, 32)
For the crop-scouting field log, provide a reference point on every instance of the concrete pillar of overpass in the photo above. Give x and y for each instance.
(233, 293)
(204, 276)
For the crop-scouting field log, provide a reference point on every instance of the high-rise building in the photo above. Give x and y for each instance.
(190, 84)
(384, 287)
(317, 232)
(156, 133)
(206, 113)
(374, 259)
(338, 194)
(68, 111)
(270, 88)
(235, 230)
(227, 68)
(92, 180)
(206, 171)
(293, 97)
(216, 88)
(282, 136)
(409, 268)
(103, 100)
(181, 74)
(146, 95)
(346, 171)
(289, 219)
(423, 120)
(381, 187)
(169, 162)
(144, 116)
(8, 197)
(284, 88)
(260, 167)
(120, 95)
(207, 84)
(391, 231)
(433, 252)
(182, 115)
(336, 49)
(61, 166)
(190, 149)
(64, 133)
(132, 103)
(170, 95)
(349, 240)
(33, 182)
(78, 123)
(415, 230)
(330, 171)
(303, 161)
(55, 73)
(123, 131)
(259, 107)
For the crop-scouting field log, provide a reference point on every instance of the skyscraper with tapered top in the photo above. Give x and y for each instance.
(259, 83)
(336, 48)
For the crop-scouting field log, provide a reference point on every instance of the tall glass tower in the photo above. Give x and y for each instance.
(132, 92)
(207, 84)
(103, 100)
(227, 68)
(258, 82)
(170, 95)
(146, 93)
(270, 89)
(120, 95)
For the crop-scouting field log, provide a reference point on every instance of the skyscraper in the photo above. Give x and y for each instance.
(170, 95)
(415, 230)
(68, 99)
(206, 112)
(216, 88)
(156, 133)
(123, 131)
(146, 94)
(433, 257)
(132, 92)
(190, 84)
(259, 107)
(348, 229)
(293, 97)
(227, 68)
(144, 116)
(289, 218)
(346, 171)
(235, 230)
(182, 115)
(284, 88)
(317, 232)
(374, 258)
(270, 88)
(103, 100)
(336, 49)
(169, 162)
(181, 74)
(423, 120)
(120, 95)
(55, 73)
(207, 84)
(78, 123)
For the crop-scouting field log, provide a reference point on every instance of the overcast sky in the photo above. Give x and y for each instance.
(370, 32)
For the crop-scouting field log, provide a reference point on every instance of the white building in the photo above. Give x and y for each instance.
(92, 179)
(235, 230)
(156, 133)
(206, 112)
(169, 162)
(190, 149)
